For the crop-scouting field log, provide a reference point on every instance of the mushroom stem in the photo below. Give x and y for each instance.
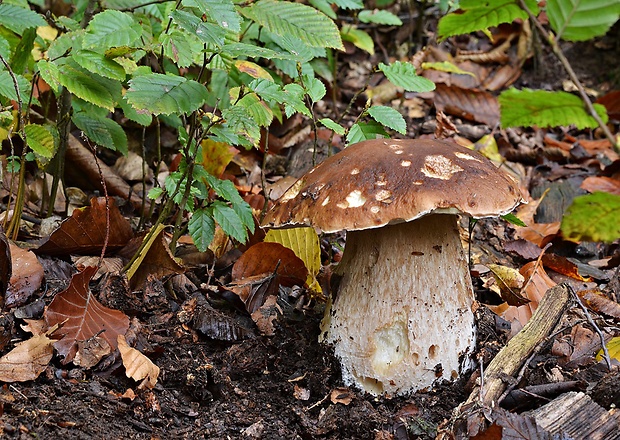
(402, 317)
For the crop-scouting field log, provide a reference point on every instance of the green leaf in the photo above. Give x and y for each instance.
(362, 131)
(528, 108)
(40, 140)
(99, 64)
(252, 51)
(230, 222)
(7, 86)
(268, 90)
(202, 228)
(240, 121)
(593, 217)
(294, 102)
(50, 74)
(18, 19)
(131, 113)
(478, 15)
(23, 51)
(349, 4)
(389, 117)
(221, 11)
(296, 20)
(337, 128)
(5, 50)
(511, 218)
(206, 32)
(165, 94)
(403, 75)
(581, 20)
(112, 29)
(325, 7)
(315, 88)
(180, 47)
(256, 109)
(379, 16)
(61, 46)
(102, 131)
(359, 38)
(88, 87)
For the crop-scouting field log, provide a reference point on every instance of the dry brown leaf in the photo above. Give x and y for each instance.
(27, 360)
(85, 231)
(5, 266)
(596, 301)
(253, 291)
(91, 351)
(343, 396)
(611, 101)
(265, 315)
(473, 105)
(301, 393)
(605, 184)
(138, 366)
(82, 316)
(270, 257)
(26, 279)
(562, 265)
(34, 326)
(510, 282)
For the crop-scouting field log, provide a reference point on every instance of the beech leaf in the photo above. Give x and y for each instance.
(138, 366)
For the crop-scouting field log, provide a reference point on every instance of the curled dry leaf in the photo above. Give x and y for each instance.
(82, 316)
(27, 360)
(85, 231)
(91, 351)
(473, 105)
(265, 315)
(510, 282)
(26, 279)
(268, 258)
(596, 301)
(138, 366)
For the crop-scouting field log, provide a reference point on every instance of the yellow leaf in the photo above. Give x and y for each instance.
(252, 69)
(613, 347)
(488, 147)
(305, 243)
(215, 156)
(27, 360)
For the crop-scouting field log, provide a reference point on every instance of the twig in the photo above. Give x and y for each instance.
(552, 41)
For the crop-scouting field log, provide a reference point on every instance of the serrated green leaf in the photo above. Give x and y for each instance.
(18, 19)
(40, 140)
(403, 75)
(180, 47)
(7, 86)
(362, 131)
(256, 109)
(244, 211)
(239, 120)
(252, 51)
(294, 102)
(97, 63)
(223, 188)
(359, 38)
(23, 51)
(304, 242)
(379, 16)
(88, 87)
(267, 90)
(5, 51)
(389, 117)
(201, 228)
(315, 88)
(593, 217)
(511, 218)
(337, 128)
(209, 33)
(581, 20)
(111, 29)
(528, 108)
(230, 222)
(165, 94)
(325, 7)
(50, 74)
(478, 16)
(221, 11)
(131, 113)
(102, 131)
(65, 43)
(295, 20)
(349, 4)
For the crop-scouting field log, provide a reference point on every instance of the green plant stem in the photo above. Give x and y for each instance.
(555, 47)
(64, 130)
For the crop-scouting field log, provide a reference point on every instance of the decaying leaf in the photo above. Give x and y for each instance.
(26, 278)
(82, 316)
(6, 267)
(601, 183)
(253, 291)
(154, 259)
(474, 105)
(138, 366)
(596, 301)
(613, 348)
(343, 396)
(85, 231)
(91, 351)
(27, 360)
(265, 315)
(510, 282)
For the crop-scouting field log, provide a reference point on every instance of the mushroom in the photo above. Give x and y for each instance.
(402, 317)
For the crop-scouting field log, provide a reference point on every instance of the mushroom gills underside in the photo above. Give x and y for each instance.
(402, 316)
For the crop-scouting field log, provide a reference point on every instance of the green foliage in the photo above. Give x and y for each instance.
(580, 20)
(41, 140)
(389, 117)
(165, 94)
(361, 131)
(403, 75)
(358, 37)
(379, 17)
(593, 217)
(527, 108)
(478, 16)
(18, 19)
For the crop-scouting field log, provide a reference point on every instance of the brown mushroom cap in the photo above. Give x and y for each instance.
(378, 182)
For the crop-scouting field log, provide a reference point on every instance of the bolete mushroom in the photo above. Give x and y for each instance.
(402, 316)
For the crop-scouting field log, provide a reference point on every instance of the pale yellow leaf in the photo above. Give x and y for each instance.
(137, 365)
(27, 360)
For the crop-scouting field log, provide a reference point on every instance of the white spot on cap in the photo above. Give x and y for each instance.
(383, 195)
(355, 199)
(326, 201)
(374, 209)
(395, 147)
(292, 192)
(355, 171)
(466, 156)
(439, 167)
(399, 152)
(406, 163)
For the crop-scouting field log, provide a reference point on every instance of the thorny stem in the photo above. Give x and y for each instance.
(552, 41)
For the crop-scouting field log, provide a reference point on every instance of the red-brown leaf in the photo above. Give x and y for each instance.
(605, 184)
(472, 105)
(27, 277)
(85, 231)
(265, 258)
(85, 316)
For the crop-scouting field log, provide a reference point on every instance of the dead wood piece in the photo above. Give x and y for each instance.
(543, 393)
(576, 416)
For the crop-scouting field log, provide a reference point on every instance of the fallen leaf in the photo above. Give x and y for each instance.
(137, 366)
(524, 248)
(599, 303)
(27, 360)
(265, 315)
(611, 101)
(26, 279)
(613, 348)
(473, 105)
(301, 393)
(562, 265)
(85, 231)
(82, 316)
(253, 291)
(91, 351)
(605, 184)
(5, 266)
(269, 257)
(344, 396)
(510, 283)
